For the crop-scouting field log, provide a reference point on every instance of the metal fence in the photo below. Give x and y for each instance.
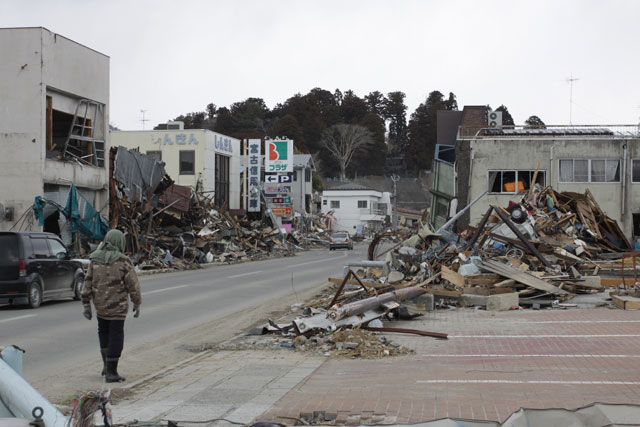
(550, 131)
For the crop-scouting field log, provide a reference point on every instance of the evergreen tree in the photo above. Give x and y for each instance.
(534, 122)
(395, 111)
(507, 120)
(423, 129)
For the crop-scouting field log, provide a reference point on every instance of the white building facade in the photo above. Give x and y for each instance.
(199, 158)
(54, 116)
(302, 186)
(356, 208)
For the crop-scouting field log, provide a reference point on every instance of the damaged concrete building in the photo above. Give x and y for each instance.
(207, 161)
(53, 125)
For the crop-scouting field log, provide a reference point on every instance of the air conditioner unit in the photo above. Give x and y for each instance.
(495, 119)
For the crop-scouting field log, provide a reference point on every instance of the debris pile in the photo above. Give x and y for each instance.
(537, 252)
(172, 226)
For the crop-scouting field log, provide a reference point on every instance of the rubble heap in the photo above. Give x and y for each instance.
(539, 251)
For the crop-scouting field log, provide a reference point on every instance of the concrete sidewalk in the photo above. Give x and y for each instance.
(492, 364)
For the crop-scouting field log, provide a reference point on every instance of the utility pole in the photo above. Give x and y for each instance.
(143, 119)
(394, 217)
(570, 80)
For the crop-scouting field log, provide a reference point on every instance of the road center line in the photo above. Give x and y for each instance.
(527, 382)
(593, 356)
(165, 289)
(244, 274)
(317, 261)
(548, 336)
(17, 318)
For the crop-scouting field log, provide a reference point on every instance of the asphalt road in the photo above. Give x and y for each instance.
(56, 336)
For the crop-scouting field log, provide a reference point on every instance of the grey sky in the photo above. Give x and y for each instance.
(171, 57)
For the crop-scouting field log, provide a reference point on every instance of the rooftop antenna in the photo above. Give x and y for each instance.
(570, 80)
(143, 119)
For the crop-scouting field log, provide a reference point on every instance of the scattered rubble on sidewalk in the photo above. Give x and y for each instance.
(172, 226)
(537, 253)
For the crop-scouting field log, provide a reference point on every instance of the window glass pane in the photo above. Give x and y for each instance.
(56, 247)
(40, 248)
(509, 181)
(541, 178)
(524, 177)
(581, 171)
(335, 204)
(566, 170)
(362, 204)
(187, 162)
(612, 171)
(597, 170)
(635, 170)
(495, 181)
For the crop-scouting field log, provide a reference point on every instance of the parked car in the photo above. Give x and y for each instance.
(36, 267)
(340, 240)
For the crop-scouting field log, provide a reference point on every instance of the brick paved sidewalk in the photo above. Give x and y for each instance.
(493, 364)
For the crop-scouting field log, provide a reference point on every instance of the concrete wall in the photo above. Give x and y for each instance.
(205, 144)
(524, 154)
(35, 60)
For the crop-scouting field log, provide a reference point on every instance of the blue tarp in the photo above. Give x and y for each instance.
(91, 224)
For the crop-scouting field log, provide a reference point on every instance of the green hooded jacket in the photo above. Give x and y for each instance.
(110, 249)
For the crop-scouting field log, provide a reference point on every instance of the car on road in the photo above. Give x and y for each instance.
(37, 267)
(340, 240)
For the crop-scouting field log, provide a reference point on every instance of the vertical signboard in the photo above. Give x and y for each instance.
(253, 169)
(278, 156)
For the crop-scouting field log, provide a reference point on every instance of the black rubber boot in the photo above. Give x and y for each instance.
(112, 370)
(103, 352)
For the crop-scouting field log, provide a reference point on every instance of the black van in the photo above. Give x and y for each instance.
(36, 267)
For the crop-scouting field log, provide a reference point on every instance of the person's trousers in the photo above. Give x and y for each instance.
(111, 336)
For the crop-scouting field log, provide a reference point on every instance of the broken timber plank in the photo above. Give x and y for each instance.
(452, 276)
(520, 276)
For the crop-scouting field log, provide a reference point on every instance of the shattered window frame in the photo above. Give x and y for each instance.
(524, 175)
(609, 175)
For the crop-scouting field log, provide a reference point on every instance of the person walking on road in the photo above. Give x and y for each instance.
(111, 280)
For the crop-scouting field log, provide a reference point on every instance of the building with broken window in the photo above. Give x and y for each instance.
(53, 125)
(207, 161)
(507, 162)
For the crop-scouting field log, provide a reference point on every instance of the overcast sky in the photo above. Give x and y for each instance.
(174, 57)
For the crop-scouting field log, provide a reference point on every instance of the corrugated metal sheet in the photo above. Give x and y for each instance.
(138, 173)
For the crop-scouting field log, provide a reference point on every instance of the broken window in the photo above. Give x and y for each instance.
(512, 181)
(324, 202)
(75, 128)
(187, 162)
(335, 204)
(589, 170)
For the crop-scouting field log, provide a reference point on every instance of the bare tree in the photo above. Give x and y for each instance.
(343, 141)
